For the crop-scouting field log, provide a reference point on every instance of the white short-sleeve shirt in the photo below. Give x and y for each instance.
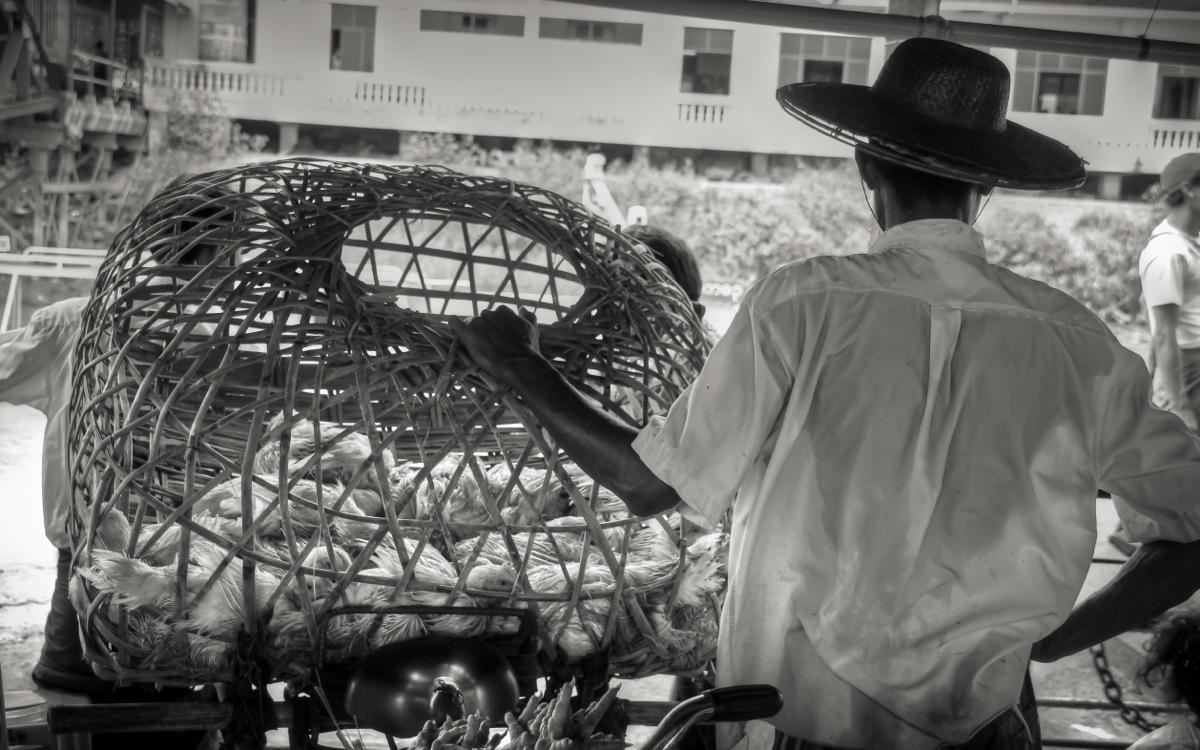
(35, 370)
(914, 438)
(1170, 271)
(1180, 733)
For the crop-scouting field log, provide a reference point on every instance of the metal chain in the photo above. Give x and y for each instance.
(1112, 691)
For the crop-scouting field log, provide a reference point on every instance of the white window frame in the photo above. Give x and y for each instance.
(1031, 65)
(365, 31)
(819, 47)
(591, 24)
(1176, 71)
(709, 47)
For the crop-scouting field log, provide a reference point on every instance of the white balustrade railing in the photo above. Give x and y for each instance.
(1179, 138)
(262, 94)
(243, 83)
(709, 114)
(389, 93)
(213, 79)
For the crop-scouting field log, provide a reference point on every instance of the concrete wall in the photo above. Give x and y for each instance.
(609, 93)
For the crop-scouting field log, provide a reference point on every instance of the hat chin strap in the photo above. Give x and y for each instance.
(983, 205)
(863, 184)
(867, 199)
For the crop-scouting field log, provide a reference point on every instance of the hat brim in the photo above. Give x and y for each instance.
(1015, 157)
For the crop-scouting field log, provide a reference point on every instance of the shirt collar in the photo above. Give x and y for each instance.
(931, 234)
(1166, 227)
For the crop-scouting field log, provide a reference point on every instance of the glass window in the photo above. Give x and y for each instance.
(152, 31)
(823, 58)
(227, 30)
(352, 38)
(707, 60)
(1058, 93)
(1178, 95)
(823, 71)
(472, 23)
(590, 31)
(1059, 84)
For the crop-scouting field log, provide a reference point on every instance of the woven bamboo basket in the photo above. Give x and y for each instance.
(282, 456)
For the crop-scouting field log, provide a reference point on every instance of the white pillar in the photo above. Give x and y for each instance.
(1110, 186)
(289, 135)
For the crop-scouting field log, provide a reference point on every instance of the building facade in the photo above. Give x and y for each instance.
(540, 69)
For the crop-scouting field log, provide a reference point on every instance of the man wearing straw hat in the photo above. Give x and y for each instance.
(911, 439)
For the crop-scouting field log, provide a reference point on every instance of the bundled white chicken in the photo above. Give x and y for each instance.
(510, 541)
(213, 605)
(575, 630)
(431, 582)
(332, 454)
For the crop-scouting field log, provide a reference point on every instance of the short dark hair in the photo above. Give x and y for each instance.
(201, 209)
(919, 184)
(1174, 658)
(201, 253)
(673, 253)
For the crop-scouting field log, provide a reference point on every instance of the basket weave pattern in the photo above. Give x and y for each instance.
(276, 437)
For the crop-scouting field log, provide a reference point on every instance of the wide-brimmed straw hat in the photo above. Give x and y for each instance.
(938, 107)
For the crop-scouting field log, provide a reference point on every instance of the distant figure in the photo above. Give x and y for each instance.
(100, 71)
(1170, 271)
(1174, 662)
(1169, 268)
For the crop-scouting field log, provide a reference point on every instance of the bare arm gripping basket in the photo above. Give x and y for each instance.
(276, 438)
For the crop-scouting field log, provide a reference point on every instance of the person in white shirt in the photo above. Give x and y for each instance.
(1170, 270)
(36, 364)
(35, 370)
(911, 440)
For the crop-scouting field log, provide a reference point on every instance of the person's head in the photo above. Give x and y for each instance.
(902, 193)
(931, 135)
(195, 217)
(674, 254)
(1173, 658)
(1180, 182)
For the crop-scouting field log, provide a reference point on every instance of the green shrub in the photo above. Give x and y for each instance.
(1095, 262)
(1112, 243)
(740, 232)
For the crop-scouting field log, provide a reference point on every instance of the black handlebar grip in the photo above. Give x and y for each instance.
(744, 702)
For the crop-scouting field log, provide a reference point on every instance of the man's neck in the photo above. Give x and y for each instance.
(1185, 219)
(895, 218)
(894, 211)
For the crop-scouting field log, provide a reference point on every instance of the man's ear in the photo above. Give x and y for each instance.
(866, 169)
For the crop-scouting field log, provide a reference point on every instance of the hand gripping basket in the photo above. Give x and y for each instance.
(276, 439)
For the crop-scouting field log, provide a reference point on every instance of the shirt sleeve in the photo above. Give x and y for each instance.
(1150, 461)
(27, 356)
(1163, 275)
(715, 431)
